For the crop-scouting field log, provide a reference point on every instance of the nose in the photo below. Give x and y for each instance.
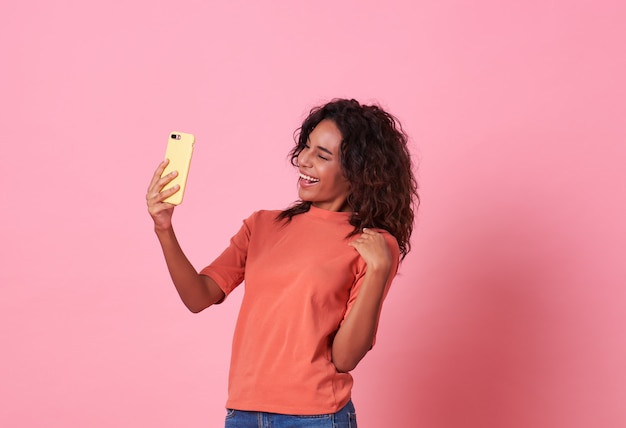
(304, 159)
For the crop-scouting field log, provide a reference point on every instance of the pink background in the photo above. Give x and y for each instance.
(509, 312)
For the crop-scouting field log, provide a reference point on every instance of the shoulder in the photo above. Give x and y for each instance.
(391, 241)
(262, 217)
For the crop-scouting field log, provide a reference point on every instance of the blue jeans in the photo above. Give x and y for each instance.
(344, 418)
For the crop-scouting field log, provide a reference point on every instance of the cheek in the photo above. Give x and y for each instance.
(342, 183)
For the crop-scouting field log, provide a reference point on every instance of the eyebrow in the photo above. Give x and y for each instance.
(322, 148)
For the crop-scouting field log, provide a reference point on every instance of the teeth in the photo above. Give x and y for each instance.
(306, 177)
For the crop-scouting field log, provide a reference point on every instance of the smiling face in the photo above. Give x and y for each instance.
(322, 181)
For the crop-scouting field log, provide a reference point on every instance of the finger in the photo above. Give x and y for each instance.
(154, 208)
(369, 232)
(169, 192)
(165, 180)
(162, 182)
(356, 243)
(158, 172)
(156, 198)
(157, 209)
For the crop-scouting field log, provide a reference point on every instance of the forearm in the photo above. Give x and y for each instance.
(196, 291)
(356, 335)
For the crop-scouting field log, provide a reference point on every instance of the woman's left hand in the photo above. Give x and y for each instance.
(372, 247)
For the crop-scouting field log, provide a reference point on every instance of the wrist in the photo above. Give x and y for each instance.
(381, 269)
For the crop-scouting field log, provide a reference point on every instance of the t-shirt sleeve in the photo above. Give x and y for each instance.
(229, 268)
(395, 256)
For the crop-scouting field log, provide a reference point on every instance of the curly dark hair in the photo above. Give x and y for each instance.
(376, 161)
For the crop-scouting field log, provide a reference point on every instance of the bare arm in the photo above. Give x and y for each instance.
(196, 291)
(355, 337)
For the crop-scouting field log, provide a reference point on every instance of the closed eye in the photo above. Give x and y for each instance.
(322, 149)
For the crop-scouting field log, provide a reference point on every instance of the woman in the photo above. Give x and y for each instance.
(315, 274)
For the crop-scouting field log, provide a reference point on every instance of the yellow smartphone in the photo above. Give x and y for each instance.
(179, 151)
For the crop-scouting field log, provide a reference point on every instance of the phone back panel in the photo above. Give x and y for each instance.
(179, 151)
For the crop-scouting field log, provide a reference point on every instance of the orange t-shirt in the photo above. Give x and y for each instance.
(301, 279)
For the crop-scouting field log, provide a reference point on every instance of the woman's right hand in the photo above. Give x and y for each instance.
(161, 212)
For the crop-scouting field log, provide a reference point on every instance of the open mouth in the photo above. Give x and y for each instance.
(308, 178)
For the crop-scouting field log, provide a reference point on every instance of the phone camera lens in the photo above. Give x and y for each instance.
(173, 136)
